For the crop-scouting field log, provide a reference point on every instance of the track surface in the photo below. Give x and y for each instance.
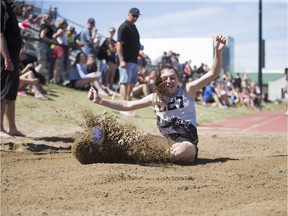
(274, 122)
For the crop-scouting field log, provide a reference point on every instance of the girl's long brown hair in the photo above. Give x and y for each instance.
(159, 91)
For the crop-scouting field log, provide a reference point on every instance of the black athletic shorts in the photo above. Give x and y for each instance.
(10, 81)
(178, 130)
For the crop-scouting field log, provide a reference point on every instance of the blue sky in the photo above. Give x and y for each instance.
(236, 18)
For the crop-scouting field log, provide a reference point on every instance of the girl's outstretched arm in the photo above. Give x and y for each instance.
(120, 105)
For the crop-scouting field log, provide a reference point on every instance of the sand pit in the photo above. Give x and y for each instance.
(236, 174)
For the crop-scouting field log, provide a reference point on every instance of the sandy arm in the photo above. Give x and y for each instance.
(120, 105)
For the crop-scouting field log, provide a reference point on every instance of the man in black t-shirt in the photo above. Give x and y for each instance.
(11, 43)
(128, 46)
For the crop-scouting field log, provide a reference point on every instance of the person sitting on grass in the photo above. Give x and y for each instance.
(174, 105)
(79, 75)
(28, 79)
(210, 96)
(145, 82)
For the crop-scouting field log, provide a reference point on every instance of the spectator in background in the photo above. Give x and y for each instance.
(194, 74)
(87, 37)
(285, 89)
(165, 59)
(187, 68)
(44, 49)
(256, 96)
(91, 64)
(111, 58)
(246, 99)
(210, 96)
(72, 46)
(141, 59)
(128, 46)
(188, 71)
(91, 68)
(29, 77)
(81, 78)
(200, 70)
(26, 10)
(23, 28)
(236, 96)
(77, 40)
(31, 20)
(237, 82)
(70, 34)
(145, 84)
(11, 43)
(175, 61)
(245, 81)
(96, 44)
(54, 14)
(222, 94)
(60, 52)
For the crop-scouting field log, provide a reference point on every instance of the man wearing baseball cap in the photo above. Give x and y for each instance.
(87, 37)
(134, 11)
(128, 46)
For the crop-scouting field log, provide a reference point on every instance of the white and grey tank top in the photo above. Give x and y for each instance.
(177, 119)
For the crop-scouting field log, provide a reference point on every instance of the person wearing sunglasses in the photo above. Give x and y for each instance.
(128, 46)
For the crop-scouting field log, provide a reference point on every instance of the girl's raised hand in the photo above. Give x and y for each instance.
(220, 42)
(93, 95)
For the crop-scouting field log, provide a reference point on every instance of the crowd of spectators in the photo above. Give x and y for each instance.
(230, 90)
(70, 58)
(226, 91)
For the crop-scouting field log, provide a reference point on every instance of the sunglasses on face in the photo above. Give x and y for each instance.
(135, 15)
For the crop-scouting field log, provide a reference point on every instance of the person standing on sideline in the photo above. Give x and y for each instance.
(44, 51)
(174, 105)
(11, 43)
(111, 64)
(87, 37)
(285, 90)
(128, 46)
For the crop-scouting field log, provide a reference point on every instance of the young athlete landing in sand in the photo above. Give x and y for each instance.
(174, 105)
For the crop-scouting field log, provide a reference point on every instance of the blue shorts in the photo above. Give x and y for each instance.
(128, 74)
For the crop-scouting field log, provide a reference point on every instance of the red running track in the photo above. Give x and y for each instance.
(274, 122)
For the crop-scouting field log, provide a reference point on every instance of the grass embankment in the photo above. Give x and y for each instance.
(66, 105)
